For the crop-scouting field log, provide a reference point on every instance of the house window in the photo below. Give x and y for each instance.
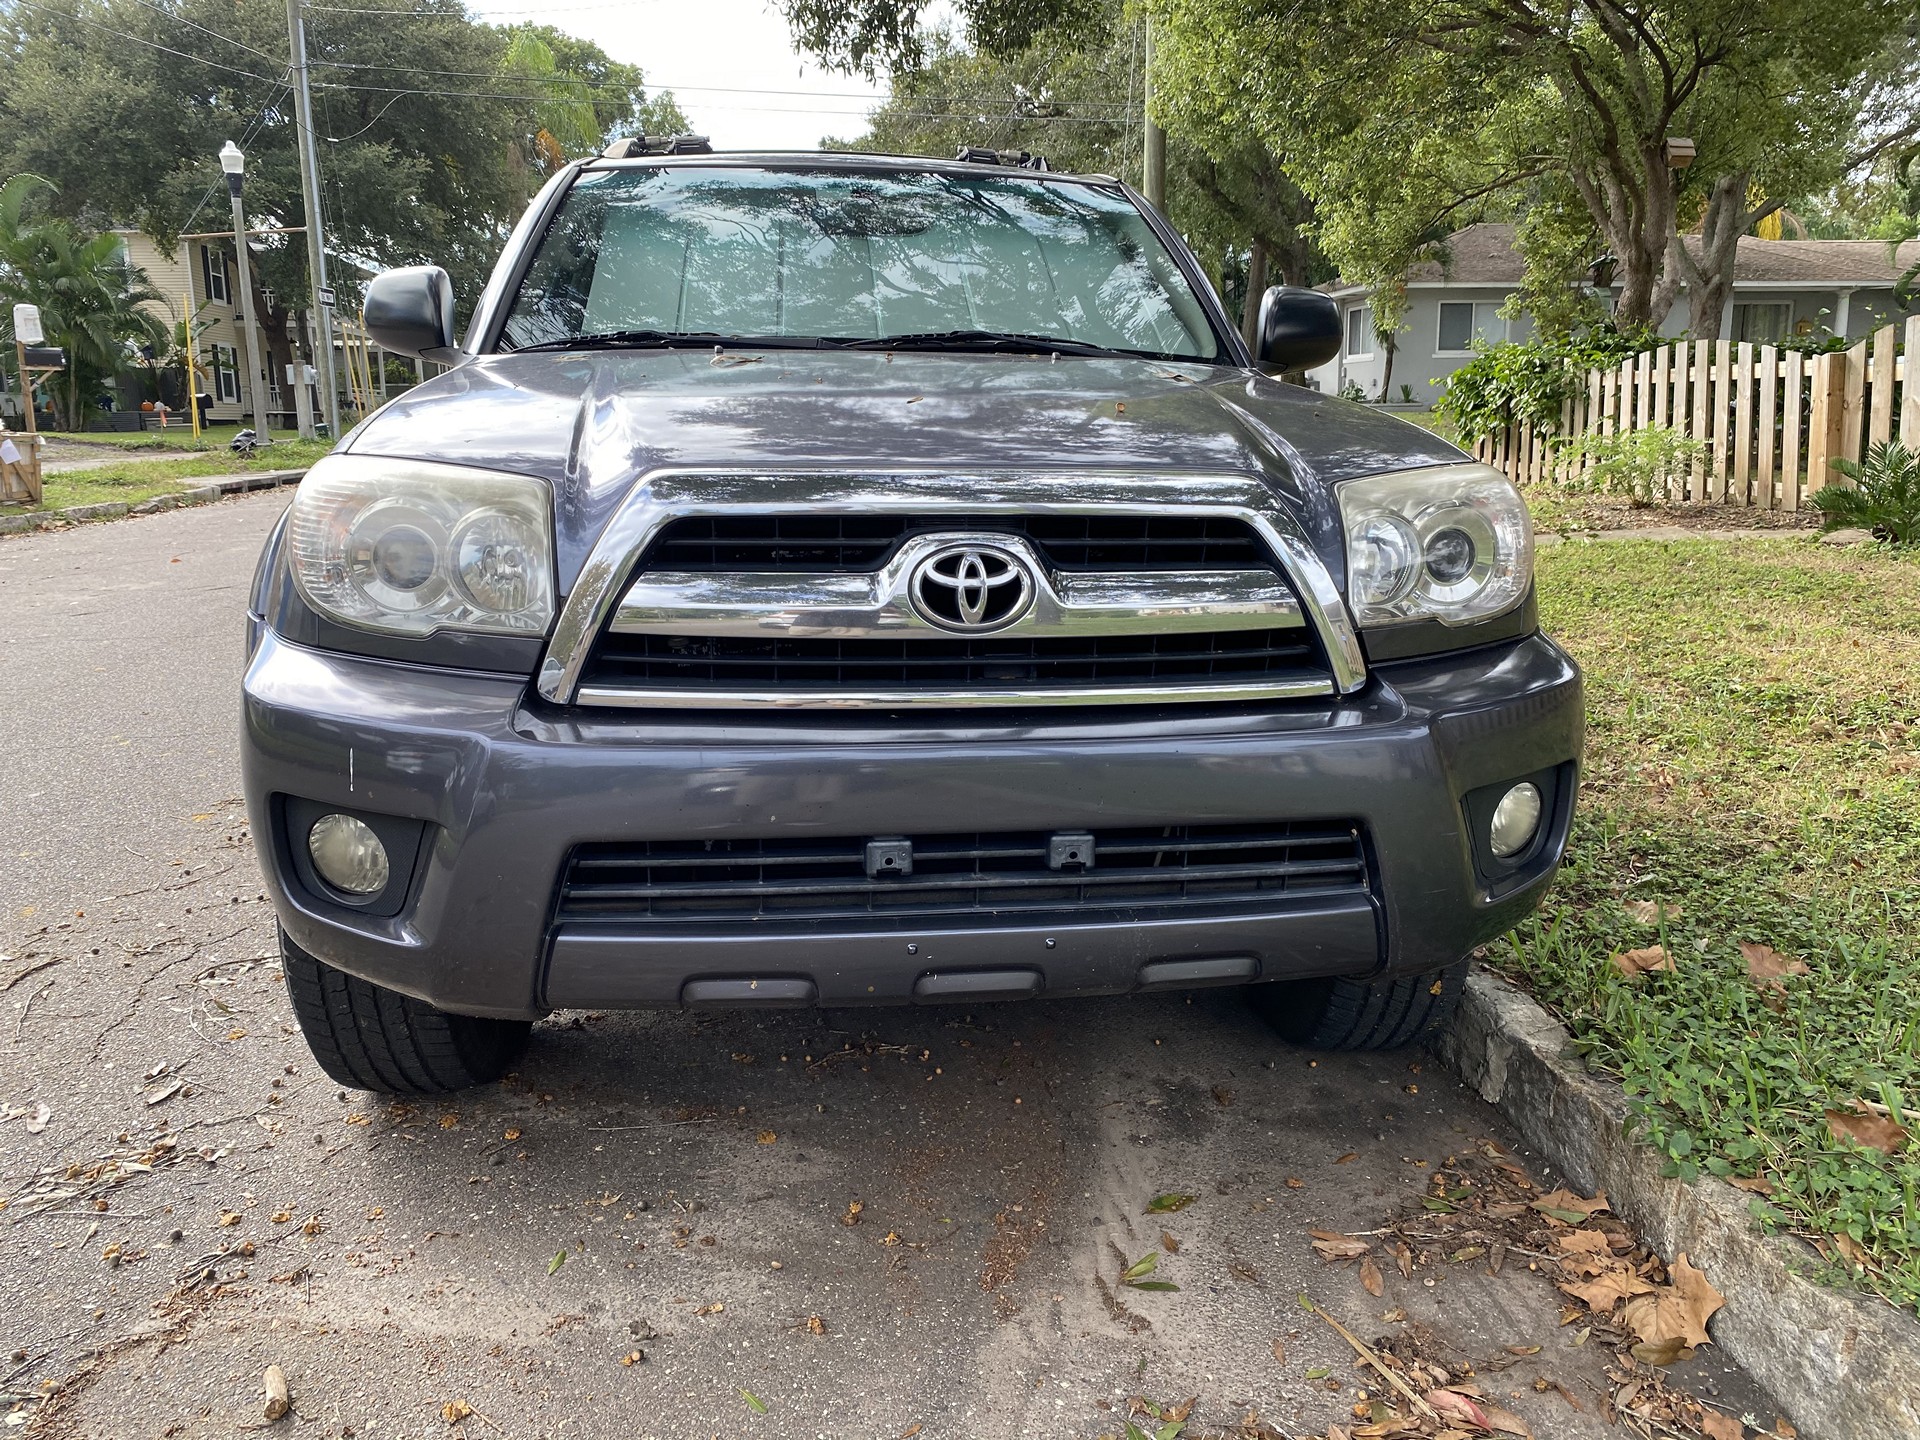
(1360, 332)
(1762, 324)
(226, 375)
(1464, 321)
(213, 270)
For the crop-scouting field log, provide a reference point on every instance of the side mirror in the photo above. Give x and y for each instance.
(410, 312)
(1298, 328)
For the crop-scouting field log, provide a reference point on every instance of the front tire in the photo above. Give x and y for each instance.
(372, 1038)
(1339, 1014)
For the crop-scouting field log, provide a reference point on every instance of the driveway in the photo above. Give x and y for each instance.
(850, 1223)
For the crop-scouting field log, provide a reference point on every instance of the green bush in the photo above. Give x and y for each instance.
(1636, 463)
(1884, 496)
(1529, 380)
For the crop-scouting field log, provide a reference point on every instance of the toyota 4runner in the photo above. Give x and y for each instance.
(826, 580)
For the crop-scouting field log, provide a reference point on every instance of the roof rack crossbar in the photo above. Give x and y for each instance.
(1014, 159)
(632, 147)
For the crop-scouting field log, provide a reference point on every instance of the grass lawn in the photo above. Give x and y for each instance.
(143, 479)
(177, 436)
(1753, 760)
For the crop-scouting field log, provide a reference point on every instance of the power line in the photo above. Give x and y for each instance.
(650, 83)
(196, 25)
(150, 44)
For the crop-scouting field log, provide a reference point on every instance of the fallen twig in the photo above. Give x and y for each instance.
(20, 1022)
(1367, 1354)
(13, 980)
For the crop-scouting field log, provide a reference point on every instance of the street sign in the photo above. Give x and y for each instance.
(325, 295)
(26, 325)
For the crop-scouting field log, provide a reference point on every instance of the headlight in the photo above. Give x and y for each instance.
(1451, 543)
(410, 548)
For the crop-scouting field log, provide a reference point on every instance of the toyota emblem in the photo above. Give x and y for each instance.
(971, 588)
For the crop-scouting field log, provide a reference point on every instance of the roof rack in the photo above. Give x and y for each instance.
(632, 147)
(1013, 159)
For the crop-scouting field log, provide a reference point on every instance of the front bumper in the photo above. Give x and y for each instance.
(505, 790)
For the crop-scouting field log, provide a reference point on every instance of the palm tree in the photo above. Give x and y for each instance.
(90, 298)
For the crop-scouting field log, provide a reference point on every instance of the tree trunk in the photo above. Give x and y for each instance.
(1392, 343)
(1256, 287)
(1709, 269)
(273, 324)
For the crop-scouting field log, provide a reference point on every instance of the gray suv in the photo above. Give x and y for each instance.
(828, 580)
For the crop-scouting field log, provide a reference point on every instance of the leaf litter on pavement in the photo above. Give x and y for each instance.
(1482, 1209)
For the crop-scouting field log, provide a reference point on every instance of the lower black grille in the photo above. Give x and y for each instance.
(828, 543)
(934, 663)
(1136, 874)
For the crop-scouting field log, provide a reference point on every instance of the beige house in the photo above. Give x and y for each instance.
(202, 272)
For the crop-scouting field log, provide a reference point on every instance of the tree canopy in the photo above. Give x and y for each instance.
(1380, 129)
(432, 129)
(90, 299)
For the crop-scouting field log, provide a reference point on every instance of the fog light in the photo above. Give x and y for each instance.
(1515, 819)
(350, 857)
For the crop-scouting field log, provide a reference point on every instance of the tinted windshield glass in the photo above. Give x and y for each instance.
(856, 256)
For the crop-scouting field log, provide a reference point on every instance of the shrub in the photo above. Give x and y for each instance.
(1884, 496)
(1637, 463)
(1529, 380)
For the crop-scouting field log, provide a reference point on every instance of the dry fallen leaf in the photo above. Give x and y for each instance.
(1652, 912)
(1600, 1295)
(852, 1217)
(1675, 1313)
(1280, 1351)
(1716, 1426)
(1863, 1127)
(1505, 1422)
(1453, 1405)
(1331, 1245)
(1635, 963)
(911, 1431)
(716, 1308)
(1753, 1184)
(454, 1411)
(1564, 1199)
(1169, 1244)
(1370, 1278)
(1768, 968)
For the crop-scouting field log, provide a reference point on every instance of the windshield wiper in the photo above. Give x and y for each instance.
(673, 340)
(1002, 341)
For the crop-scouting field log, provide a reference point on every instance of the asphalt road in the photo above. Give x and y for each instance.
(201, 1201)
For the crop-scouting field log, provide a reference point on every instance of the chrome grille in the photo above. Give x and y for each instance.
(766, 544)
(803, 630)
(726, 663)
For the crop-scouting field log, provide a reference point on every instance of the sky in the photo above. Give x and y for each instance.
(730, 63)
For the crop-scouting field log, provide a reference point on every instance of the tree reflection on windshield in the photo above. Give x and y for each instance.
(854, 256)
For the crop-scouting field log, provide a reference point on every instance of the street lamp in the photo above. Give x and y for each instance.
(234, 163)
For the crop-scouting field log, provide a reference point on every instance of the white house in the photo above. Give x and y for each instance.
(1781, 288)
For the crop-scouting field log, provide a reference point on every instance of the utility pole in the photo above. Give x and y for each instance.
(1153, 177)
(316, 242)
(234, 164)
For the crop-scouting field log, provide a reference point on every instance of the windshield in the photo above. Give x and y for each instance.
(843, 256)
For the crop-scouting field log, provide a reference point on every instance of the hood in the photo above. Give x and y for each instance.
(592, 423)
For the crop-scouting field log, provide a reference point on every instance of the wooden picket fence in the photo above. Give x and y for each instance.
(1772, 421)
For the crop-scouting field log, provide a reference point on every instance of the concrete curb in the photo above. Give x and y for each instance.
(1841, 1364)
(115, 509)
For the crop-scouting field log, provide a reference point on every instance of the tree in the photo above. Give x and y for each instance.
(1405, 118)
(1073, 93)
(90, 299)
(430, 126)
